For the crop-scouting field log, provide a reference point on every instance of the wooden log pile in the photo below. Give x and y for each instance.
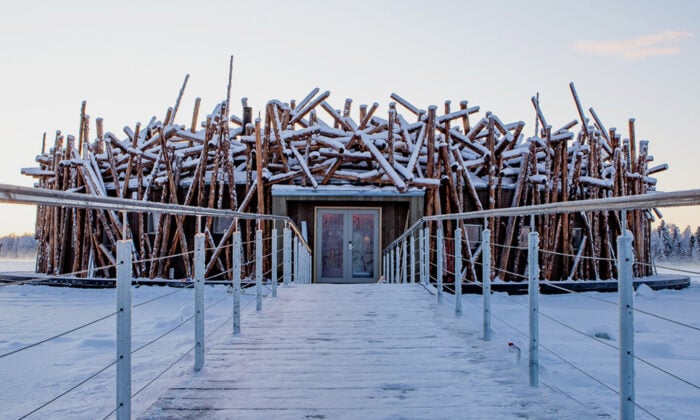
(463, 160)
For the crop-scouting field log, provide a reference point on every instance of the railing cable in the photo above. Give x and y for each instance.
(179, 290)
(69, 390)
(57, 336)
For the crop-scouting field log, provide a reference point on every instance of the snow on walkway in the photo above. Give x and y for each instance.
(349, 351)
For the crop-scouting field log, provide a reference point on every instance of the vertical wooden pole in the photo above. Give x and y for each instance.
(259, 164)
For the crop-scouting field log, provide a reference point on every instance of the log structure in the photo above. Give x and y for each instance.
(463, 159)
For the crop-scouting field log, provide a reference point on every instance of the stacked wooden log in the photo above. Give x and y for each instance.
(462, 160)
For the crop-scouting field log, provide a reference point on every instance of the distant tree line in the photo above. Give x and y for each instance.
(669, 243)
(18, 246)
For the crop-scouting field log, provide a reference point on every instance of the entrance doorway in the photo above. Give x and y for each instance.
(347, 245)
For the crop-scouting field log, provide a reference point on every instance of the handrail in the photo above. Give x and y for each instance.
(296, 256)
(40, 196)
(629, 202)
(432, 271)
(296, 230)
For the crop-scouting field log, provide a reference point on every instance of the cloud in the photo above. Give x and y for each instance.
(658, 44)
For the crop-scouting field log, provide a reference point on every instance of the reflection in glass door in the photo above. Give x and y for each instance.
(332, 264)
(347, 245)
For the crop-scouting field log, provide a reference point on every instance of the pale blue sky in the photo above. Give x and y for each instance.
(128, 58)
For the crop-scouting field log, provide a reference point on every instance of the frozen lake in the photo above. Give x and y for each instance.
(16, 265)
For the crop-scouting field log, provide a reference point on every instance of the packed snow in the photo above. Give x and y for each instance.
(34, 376)
(37, 375)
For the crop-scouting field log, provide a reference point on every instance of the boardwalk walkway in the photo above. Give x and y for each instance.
(358, 351)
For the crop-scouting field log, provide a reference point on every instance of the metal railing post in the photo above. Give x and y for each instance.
(389, 272)
(458, 272)
(404, 262)
(124, 329)
(421, 253)
(309, 267)
(625, 290)
(390, 262)
(412, 251)
(486, 281)
(384, 265)
(300, 261)
(426, 254)
(198, 302)
(391, 266)
(439, 263)
(302, 277)
(303, 265)
(258, 269)
(295, 258)
(273, 264)
(397, 264)
(533, 271)
(287, 255)
(237, 282)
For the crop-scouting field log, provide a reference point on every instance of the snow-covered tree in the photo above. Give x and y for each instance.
(668, 243)
(665, 241)
(684, 246)
(675, 234)
(13, 246)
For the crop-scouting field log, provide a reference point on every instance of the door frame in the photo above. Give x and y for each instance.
(318, 241)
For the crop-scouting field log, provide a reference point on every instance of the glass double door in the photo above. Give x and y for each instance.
(347, 245)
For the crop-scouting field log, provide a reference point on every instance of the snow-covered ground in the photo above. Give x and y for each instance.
(32, 313)
(667, 345)
(36, 375)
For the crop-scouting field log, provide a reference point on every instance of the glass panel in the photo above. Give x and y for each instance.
(522, 238)
(152, 223)
(363, 245)
(332, 245)
(222, 224)
(474, 235)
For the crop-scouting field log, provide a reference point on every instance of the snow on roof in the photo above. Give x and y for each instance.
(344, 191)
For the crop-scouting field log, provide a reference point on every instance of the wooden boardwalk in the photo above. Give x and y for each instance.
(351, 351)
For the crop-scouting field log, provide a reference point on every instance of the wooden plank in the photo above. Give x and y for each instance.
(350, 361)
